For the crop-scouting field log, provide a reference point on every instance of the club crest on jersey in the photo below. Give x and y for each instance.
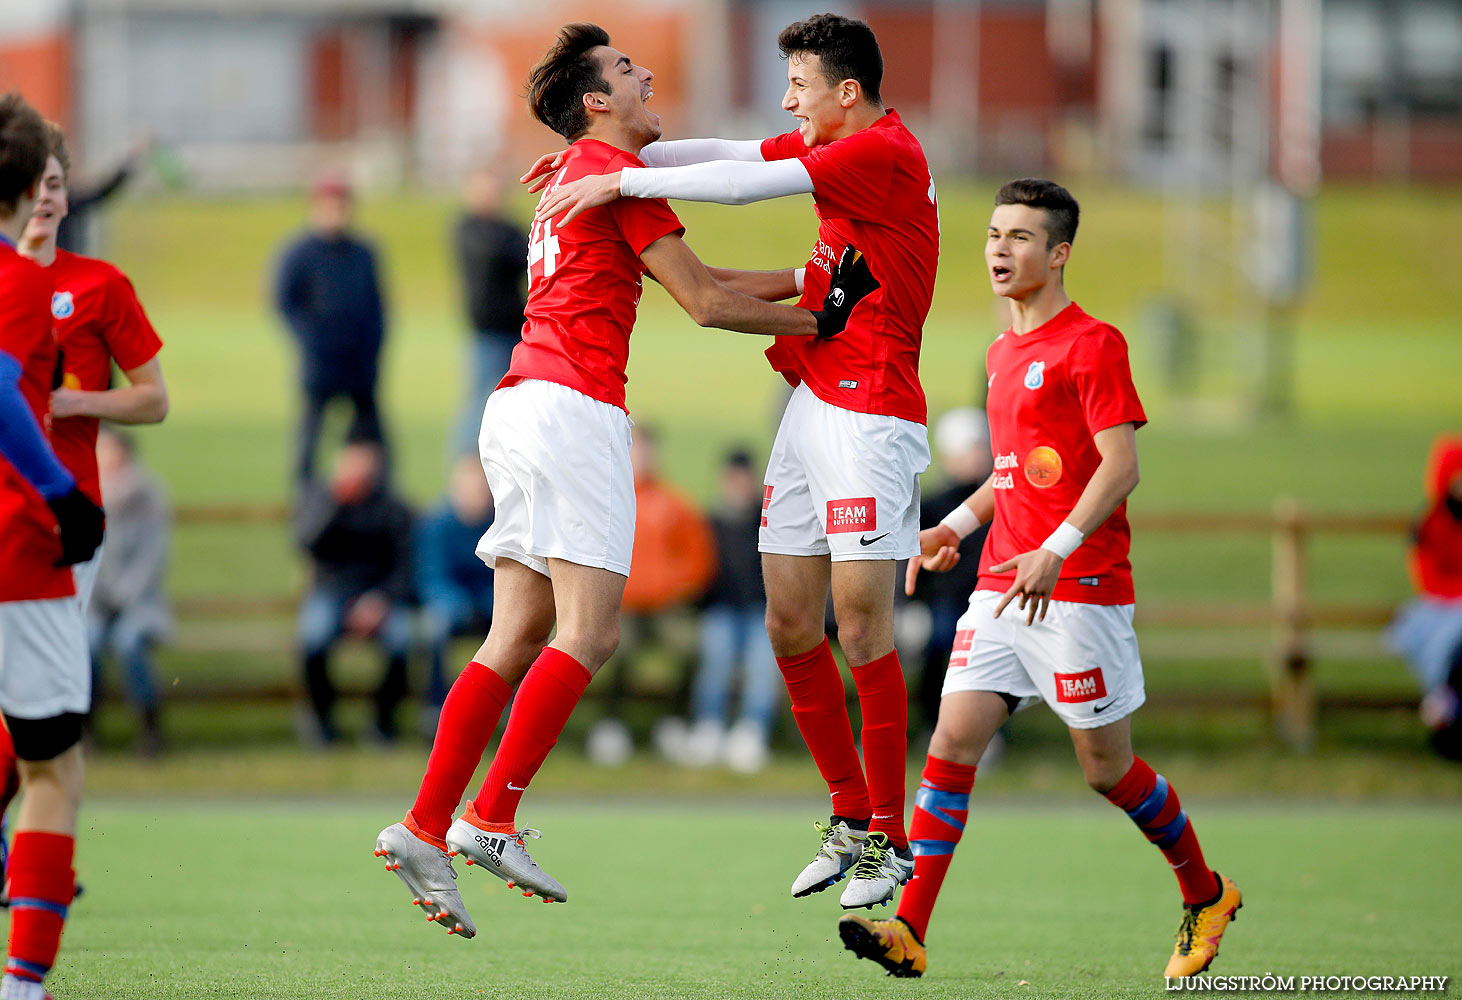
(62, 305)
(1035, 375)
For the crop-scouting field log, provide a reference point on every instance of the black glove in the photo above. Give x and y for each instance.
(851, 282)
(82, 523)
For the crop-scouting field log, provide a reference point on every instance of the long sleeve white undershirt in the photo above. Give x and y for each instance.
(726, 182)
(683, 152)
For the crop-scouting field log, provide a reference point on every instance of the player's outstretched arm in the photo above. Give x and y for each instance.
(1037, 571)
(22, 441)
(666, 153)
(144, 400)
(725, 182)
(769, 286)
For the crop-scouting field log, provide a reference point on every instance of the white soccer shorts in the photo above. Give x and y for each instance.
(1082, 660)
(45, 669)
(562, 485)
(843, 483)
(84, 574)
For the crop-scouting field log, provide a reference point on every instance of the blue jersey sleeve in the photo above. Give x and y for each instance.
(21, 440)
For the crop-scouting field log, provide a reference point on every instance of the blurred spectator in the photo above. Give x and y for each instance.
(76, 230)
(453, 584)
(733, 637)
(129, 613)
(962, 446)
(357, 534)
(329, 293)
(492, 259)
(1428, 631)
(673, 560)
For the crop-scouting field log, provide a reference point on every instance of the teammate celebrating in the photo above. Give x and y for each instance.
(842, 484)
(96, 319)
(1063, 419)
(45, 676)
(555, 447)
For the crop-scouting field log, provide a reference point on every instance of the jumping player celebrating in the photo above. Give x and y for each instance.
(842, 484)
(555, 446)
(1063, 421)
(45, 675)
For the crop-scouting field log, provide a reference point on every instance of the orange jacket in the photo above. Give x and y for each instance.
(1436, 555)
(674, 556)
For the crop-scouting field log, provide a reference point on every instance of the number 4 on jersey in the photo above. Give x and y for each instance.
(543, 245)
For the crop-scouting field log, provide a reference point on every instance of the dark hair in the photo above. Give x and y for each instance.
(58, 147)
(23, 149)
(1062, 212)
(847, 47)
(557, 85)
(737, 458)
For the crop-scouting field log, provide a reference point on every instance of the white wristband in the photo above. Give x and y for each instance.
(799, 276)
(961, 520)
(1064, 540)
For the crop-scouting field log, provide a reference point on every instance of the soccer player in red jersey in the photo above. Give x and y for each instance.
(555, 446)
(45, 675)
(842, 483)
(96, 319)
(1063, 421)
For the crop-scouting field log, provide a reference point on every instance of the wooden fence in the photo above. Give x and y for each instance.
(1289, 612)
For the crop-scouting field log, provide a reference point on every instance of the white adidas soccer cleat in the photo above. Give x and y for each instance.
(842, 846)
(878, 873)
(504, 855)
(428, 873)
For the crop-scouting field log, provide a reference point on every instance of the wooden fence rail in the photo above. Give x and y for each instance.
(1289, 612)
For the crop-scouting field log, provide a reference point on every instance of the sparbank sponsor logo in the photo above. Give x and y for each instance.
(1004, 478)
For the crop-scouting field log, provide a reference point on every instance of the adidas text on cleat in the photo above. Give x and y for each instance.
(1201, 930)
(427, 872)
(505, 856)
(842, 846)
(891, 943)
(878, 873)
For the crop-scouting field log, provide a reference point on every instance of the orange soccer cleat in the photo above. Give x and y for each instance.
(1201, 931)
(891, 943)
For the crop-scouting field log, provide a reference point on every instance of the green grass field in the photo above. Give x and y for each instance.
(283, 899)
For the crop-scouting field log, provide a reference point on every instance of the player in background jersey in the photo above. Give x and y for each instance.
(555, 446)
(1063, 421)
(96, 319)
(842, 483)
(45, 675)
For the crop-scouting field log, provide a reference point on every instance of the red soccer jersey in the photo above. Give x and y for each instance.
(584, 282)
(96, 318)
(1051, 391)
(872, 190)
(29, 546)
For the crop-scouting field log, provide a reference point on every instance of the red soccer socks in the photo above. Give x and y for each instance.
(468, 718)
(820, 708)
(941, 807)
(42, 883)
(884, 702)
(1153, 805)
(546, 699)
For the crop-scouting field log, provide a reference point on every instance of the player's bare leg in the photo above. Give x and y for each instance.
(487, 834)
(1210, 901)
(863, 606)
(797, 590)
(416, 848)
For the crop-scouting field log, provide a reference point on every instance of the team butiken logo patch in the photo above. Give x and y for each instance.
(1085, 686)
(853, 514)
(62, 305)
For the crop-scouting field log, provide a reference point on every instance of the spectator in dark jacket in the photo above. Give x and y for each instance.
(492, 259)
(75, 231)
(329, 293)
(734, 636)
(962, 444)
(452, 582)
(358, 536)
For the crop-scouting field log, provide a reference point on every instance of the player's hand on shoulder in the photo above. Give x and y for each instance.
(1036, 573)
(850, 284)
(938, 552)
(578, 196)
(543, 168)
(80, 523)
